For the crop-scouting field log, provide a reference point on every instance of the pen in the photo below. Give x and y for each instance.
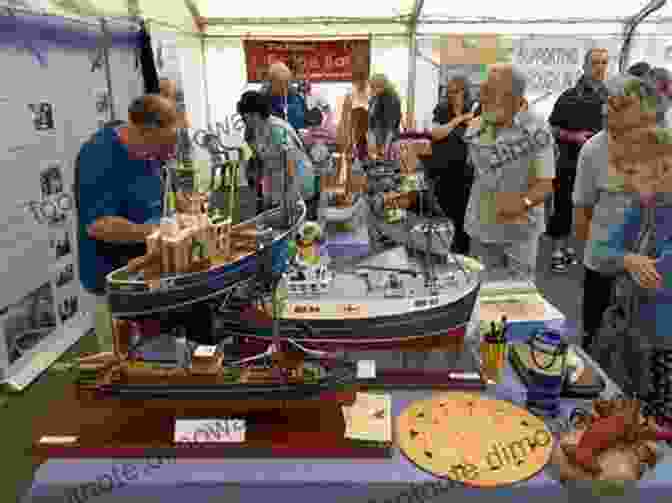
(503, 332)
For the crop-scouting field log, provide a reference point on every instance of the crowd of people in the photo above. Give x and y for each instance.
(495, 162)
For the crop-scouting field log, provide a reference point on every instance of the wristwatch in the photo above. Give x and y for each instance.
(528, 203)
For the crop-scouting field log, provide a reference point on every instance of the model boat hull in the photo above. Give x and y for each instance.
(340, 374)
(131, 297)
(353, 316)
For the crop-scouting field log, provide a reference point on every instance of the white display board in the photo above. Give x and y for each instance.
(47, 113)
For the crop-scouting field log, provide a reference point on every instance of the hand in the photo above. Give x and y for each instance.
(643, 269)
(509, 208)
(465, 117)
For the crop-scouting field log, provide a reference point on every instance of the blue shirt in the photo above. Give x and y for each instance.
(111, 184)
(296, 109)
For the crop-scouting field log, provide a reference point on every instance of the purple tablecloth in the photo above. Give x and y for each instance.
(299, 480)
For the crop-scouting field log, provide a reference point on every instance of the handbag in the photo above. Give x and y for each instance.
(613, 342)
(537, 355)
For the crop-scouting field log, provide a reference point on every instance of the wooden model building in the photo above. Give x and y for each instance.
(191, 242)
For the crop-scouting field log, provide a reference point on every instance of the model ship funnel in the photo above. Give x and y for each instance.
(185, 243)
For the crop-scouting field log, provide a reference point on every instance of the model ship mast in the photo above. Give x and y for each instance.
(408, 196)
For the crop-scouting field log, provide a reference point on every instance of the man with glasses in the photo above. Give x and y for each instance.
(118, 191)
(512, 151)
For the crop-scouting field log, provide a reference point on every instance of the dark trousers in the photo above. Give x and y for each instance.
(453, 196)
(563, 187)
(596, 297)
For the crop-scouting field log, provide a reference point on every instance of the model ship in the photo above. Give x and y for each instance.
(206, 372)
(194, 257)
(387, 301)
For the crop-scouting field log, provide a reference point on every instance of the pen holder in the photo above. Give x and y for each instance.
(493, 355)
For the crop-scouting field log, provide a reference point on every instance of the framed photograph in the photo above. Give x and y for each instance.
(65, 275)
(43, 116)
(68, 307)
(27, 322)
(51, 179)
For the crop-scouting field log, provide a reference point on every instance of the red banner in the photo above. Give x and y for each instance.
(314, 61)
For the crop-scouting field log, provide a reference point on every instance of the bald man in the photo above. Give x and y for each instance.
(514, 164)
(119, 191)
(168, 89)
(287, 104)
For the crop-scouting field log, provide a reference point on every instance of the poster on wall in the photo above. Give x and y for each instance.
(466, 56)
(319, 61)
(551, 64)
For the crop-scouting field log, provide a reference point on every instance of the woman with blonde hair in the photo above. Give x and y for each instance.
(384, 115)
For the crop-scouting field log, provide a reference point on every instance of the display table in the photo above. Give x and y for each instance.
(257, 480)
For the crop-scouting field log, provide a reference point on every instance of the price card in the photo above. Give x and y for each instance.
(207, 431)
(58, 440)
(366, 369)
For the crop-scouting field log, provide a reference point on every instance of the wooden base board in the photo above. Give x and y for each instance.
(112, 428)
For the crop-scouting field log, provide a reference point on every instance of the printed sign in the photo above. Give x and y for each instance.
(551, 64)
(327, 311)
(317, 61)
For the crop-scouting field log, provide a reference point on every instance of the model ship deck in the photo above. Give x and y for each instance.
(369, 291)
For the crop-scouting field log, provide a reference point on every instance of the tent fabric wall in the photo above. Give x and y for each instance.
(226, 76)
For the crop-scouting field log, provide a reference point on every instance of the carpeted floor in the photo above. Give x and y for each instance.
(564, 291)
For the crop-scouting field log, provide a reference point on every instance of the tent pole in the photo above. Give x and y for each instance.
(206, 87)
(412, 60)
(108, 69)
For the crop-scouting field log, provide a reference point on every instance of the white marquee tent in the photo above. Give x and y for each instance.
(209, 34)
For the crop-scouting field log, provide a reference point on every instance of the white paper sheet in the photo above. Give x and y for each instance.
(209, 430)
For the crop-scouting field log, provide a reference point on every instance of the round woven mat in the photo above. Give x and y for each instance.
(475, 440)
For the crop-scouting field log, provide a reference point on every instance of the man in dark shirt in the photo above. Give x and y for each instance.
(119, 191)
(576, 117)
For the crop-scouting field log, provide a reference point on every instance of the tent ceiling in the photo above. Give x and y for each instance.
(357, 17)
(554, 11)
(263, 9)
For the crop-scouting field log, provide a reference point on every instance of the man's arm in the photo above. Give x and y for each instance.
(441, 132)
(118, 229)
(540, 175)
(582, 219)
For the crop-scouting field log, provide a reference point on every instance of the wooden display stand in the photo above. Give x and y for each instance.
(113, 428)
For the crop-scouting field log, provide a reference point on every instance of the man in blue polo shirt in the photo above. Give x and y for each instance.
(119, 191)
